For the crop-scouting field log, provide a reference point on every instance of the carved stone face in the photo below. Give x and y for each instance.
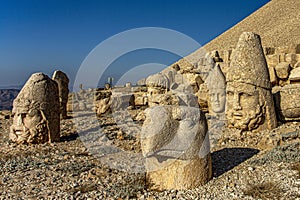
(244, 109)
(29, 126)
(217, 100)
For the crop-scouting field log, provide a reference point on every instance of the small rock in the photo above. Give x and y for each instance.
(250, 168)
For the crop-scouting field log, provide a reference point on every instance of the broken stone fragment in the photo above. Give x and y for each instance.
(283, 70)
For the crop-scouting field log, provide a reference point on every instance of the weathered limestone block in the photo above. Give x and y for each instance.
(288, 49)
(103, 106)
(291, 58)
(140, 99)
(176, 147)
(283, 70)
(297, 64)
(121, 101)
(272, 59)
(295, 76)
(203, 97)
(249, 102)
(158, 85)
(216, 83)
(36, 112)
(269, 50)
(183, 95)
(288, 102)
(141, 82)
(63, 90)
(273, 77)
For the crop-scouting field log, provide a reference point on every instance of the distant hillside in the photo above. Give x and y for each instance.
(277, 22)
(6, 98)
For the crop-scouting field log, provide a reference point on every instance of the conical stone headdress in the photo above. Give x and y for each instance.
(216, 79)
(248, 63)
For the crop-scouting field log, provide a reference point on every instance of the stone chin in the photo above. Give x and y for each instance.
(217, 108)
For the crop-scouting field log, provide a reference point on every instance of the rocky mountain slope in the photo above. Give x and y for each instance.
(278, 24)
(6, 98)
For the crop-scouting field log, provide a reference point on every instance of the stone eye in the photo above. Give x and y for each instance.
(245, 94)
(229, 93)
(32, 113)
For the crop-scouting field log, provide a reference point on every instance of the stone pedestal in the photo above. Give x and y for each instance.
(178, 174)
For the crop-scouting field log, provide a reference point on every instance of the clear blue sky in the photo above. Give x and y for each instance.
(45, 35)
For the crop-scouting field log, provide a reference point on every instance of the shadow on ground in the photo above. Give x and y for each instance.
(68, 138)
(226, 159)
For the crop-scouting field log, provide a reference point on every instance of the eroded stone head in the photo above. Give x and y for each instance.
(157, 86)
(175, 143)
(249, 102)
(36, 112)
(178, 132)
(62, 81)
(216, 84)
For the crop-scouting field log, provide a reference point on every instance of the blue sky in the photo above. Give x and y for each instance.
(45, 35)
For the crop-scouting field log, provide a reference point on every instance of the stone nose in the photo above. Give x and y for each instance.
(236, 102)
(215, 97)
(19, 120)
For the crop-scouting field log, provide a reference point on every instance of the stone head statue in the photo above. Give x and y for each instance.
(36, 112)
(63, 90)
(249, 102)
(157, 86)
(176, 147)
(216, 83)
(179, 132)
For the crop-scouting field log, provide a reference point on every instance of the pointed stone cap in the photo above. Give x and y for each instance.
(248, 63)
(216, 79)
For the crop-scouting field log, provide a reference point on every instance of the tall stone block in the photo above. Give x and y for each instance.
(62, 81)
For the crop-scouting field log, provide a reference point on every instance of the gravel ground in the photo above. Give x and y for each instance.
(263, 165)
